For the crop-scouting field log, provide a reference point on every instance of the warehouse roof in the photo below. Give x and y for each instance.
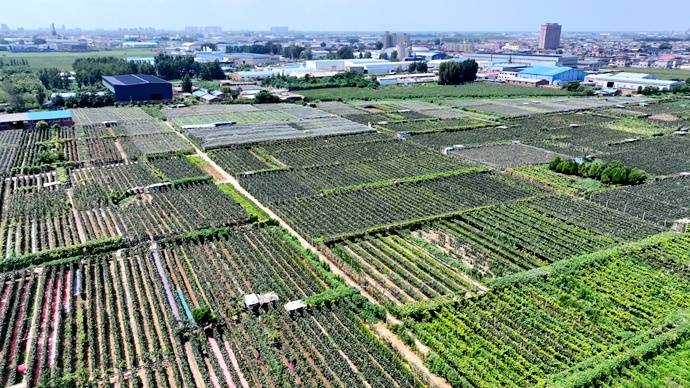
(36, 116)
(626, 77)
(133, 79)
(50, 115)
(546, 70)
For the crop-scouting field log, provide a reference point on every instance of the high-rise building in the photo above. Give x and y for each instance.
(392, 40)
(4, 28)
(550, 36)
(388, 40)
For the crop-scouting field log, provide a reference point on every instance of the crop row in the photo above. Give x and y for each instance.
(505, 239)
(347, 153)
(99, 115)
(398, 268)
(661, 202)
(127, 318)
(280, 185)
(238, 160)
(177, 210)
(335, 215)
(666, 155)
(174, 168)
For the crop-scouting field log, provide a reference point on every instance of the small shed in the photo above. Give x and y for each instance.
(295, 305)
(258, 300)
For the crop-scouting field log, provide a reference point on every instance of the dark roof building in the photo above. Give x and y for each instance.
(138, 87)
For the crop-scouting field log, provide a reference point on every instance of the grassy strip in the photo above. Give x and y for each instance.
(267, 158)
(255, 214)
(198, 161)
(545, 178)
(413, 179)
(637, 126)
(320, 266)
(674, 330)
(90, 248)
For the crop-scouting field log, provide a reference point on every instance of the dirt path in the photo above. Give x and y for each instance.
(412, 358)
(75, 212)
(122, 152)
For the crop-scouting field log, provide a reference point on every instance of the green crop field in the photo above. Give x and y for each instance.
(64, 60)
(402, 242)
(430, 91)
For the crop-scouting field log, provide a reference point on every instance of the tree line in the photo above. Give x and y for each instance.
(89, 71)
(612, 172)
(347, 79)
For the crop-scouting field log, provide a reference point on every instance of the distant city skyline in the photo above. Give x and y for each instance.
(351, 15)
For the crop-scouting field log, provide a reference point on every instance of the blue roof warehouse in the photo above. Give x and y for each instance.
(555, 75)
(138, 88)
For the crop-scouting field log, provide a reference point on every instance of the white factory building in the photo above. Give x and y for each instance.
(631, 81)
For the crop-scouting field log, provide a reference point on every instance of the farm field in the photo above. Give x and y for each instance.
(429, 91)
(530, 106)
(662, 202)
(588, 308)
(215, 127)
(139, 253)
(506, 155)
(128, 317)
(64, 60)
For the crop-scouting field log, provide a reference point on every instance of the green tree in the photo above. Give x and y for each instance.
(345, 52)
(367, 54)
(265, 97)
(40, 96)
(379, 45)
(186, 84)
(456, 73)
(394, 56)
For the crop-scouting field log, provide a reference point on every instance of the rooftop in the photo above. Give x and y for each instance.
(133, 79)
(546, 70)
(628, 77)
(50, 115)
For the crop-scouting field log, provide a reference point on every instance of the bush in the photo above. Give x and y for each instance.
(203, 315)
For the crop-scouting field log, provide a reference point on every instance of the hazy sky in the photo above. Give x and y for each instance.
(353, 15)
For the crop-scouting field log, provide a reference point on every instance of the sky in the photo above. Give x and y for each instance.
(353, 15)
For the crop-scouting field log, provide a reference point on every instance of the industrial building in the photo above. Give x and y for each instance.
(407, 79)
(528, 82)
(550, 36)
(631, 81)
(138, 87)
(237, 59)
(426, 56)
(553, 74)
(526, 59)
(28, 120)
